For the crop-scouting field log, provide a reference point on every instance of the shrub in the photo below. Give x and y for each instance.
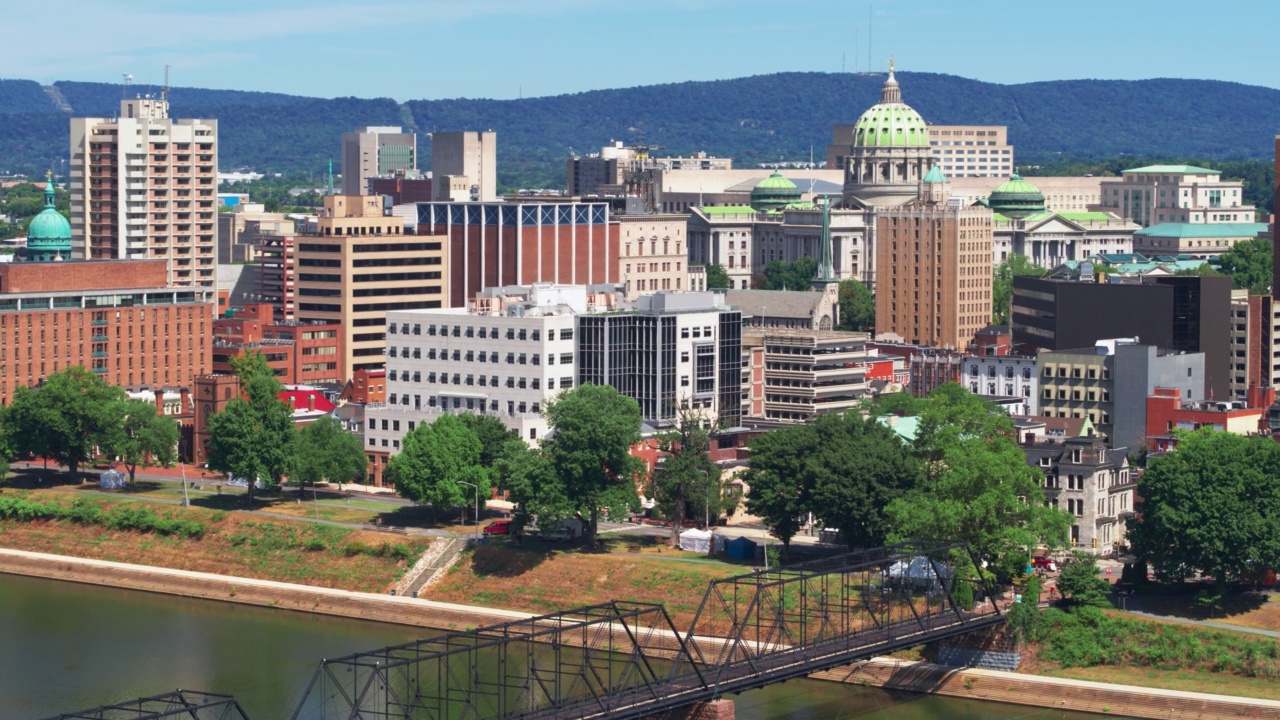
(314, 545)
(355, 547)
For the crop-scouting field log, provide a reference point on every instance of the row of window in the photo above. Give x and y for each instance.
(482, 332)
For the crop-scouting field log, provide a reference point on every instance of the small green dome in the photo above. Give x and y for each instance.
(49, 233)
(774, 193)
(1016, 198)
(891, 122)
(935, 175)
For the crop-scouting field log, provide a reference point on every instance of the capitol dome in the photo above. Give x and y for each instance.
(891, 122)
(774, 192)
(1016, 198)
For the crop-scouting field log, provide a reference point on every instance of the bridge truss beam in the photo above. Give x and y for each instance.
(184, 704)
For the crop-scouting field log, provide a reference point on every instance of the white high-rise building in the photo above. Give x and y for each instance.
(144, 186)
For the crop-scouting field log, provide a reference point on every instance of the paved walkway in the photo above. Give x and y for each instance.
(1132, 605)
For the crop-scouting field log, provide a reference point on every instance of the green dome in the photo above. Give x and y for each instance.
(49, 233)
(935, 175)
(774, 193)
(1016, 198)
(891, 122)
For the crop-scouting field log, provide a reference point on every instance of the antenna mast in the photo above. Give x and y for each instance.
(128, 80)
(164, 91)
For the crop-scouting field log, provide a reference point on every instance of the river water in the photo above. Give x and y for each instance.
(67, 647)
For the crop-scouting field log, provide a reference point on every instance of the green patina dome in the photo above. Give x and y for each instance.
(1016, 198)
(935, 175)
(49, 233)
(774, 192)
(891, 122)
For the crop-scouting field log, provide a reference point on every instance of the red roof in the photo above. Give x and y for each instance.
(306, 399)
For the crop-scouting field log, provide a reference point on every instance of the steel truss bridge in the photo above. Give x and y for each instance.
(627, 660)
(177, 705)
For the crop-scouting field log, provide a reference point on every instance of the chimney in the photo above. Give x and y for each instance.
(185, 395)
(311, 401)
(159, 392)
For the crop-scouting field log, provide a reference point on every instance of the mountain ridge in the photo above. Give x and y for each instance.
(754, 119)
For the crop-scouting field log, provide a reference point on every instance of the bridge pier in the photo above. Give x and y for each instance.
(711, 710)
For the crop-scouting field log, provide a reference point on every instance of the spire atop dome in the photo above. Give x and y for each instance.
(891, 93)
(48, 189)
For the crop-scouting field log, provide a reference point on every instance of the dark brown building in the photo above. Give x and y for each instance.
(1188, 314)
(116, 318)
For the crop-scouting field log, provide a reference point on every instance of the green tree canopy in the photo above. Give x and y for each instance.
(717, 277)
(779, 494)
(687, 482)
(1002, 285)
(1211, 505)
(1249, 265)
(858, 467)
(435, 460)
(977, 487)
(141, 434)
(65, 418)
(796, 275)
(252, 437)
(493, 436)
(1081, 581)
(857, 307)
(324, 450)
(593, 429)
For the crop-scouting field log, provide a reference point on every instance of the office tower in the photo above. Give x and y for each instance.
(464, 166)
(357, 264)
(375, 150)
(143, 186)
(933, 280)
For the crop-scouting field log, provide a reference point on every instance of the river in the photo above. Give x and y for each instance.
(66, 647)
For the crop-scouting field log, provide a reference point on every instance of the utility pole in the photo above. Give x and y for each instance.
(477, 489)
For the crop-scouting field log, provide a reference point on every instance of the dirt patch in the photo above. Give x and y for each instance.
(233, 544)
(540, 581)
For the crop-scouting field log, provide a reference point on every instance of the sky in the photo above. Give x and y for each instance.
(431, 49)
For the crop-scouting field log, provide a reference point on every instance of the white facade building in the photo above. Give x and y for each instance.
(1003, 376)
(507, 355)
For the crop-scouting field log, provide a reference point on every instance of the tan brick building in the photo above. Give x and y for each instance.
(117, 319)
(654, 256)
(357, 265)
(933, 283)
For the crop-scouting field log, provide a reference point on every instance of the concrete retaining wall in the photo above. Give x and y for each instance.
(985, 659)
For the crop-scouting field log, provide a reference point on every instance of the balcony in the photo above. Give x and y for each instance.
(100, 338)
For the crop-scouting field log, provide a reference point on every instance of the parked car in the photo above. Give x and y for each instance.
(498, 527)
(1045, 562)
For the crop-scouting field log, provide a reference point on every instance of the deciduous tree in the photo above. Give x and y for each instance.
(593, 429)
(857, 307)
(687, 481)
(141, 434)
(717, 277)
(1081, 582)
(1002, 284)
(251, 438)
(65, 418)
(324, 450)
(778, 494)
(435, 459)
(491, 433)
(1211, 505)
(1249, 265)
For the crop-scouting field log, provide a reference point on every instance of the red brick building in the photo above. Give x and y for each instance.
(114, 317)
(1166, 412)
(521, 243)
(365, 387)
(299, 352)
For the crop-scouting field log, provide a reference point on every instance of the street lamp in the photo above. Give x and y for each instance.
(477, 489)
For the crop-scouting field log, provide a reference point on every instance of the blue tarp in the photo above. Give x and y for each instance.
(741, 548)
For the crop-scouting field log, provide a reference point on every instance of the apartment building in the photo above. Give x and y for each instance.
(143, 186)
(933, 280)
(375, 150)
(118, 319)
(1176, 194)
(654, 254)
(464, 166)
(1109, 384)
(1093, 483)
(669, 352)
(507, 356)
(356, 265)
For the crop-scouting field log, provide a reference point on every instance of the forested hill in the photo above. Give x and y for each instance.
(752, 119)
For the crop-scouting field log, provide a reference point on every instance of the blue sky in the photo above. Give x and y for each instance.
(410, 49)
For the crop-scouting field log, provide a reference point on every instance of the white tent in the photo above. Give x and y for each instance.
(700, 540)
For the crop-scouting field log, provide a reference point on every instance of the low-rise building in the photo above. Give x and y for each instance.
(1093, 483)
(298, 352)
(792, 376)
(1109, 384)
(654, 256)
(1176, 194)
(1003, 376)
(1196, 240)
(1168, 412)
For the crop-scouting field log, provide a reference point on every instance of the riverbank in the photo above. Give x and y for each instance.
(1047, 692)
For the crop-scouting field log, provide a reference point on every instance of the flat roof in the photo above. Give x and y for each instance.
(1172, 170)
(1203, 230)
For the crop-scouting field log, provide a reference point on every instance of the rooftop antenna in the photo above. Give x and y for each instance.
(330, 188)
(164, 91)
(128, 80)
(855, 49)
(869, 22)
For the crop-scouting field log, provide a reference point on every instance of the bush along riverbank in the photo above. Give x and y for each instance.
(205, 540)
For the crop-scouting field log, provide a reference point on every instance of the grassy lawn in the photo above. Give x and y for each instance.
(1254, 610)
(541, 579)
(233, 544)
(1185, 680)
